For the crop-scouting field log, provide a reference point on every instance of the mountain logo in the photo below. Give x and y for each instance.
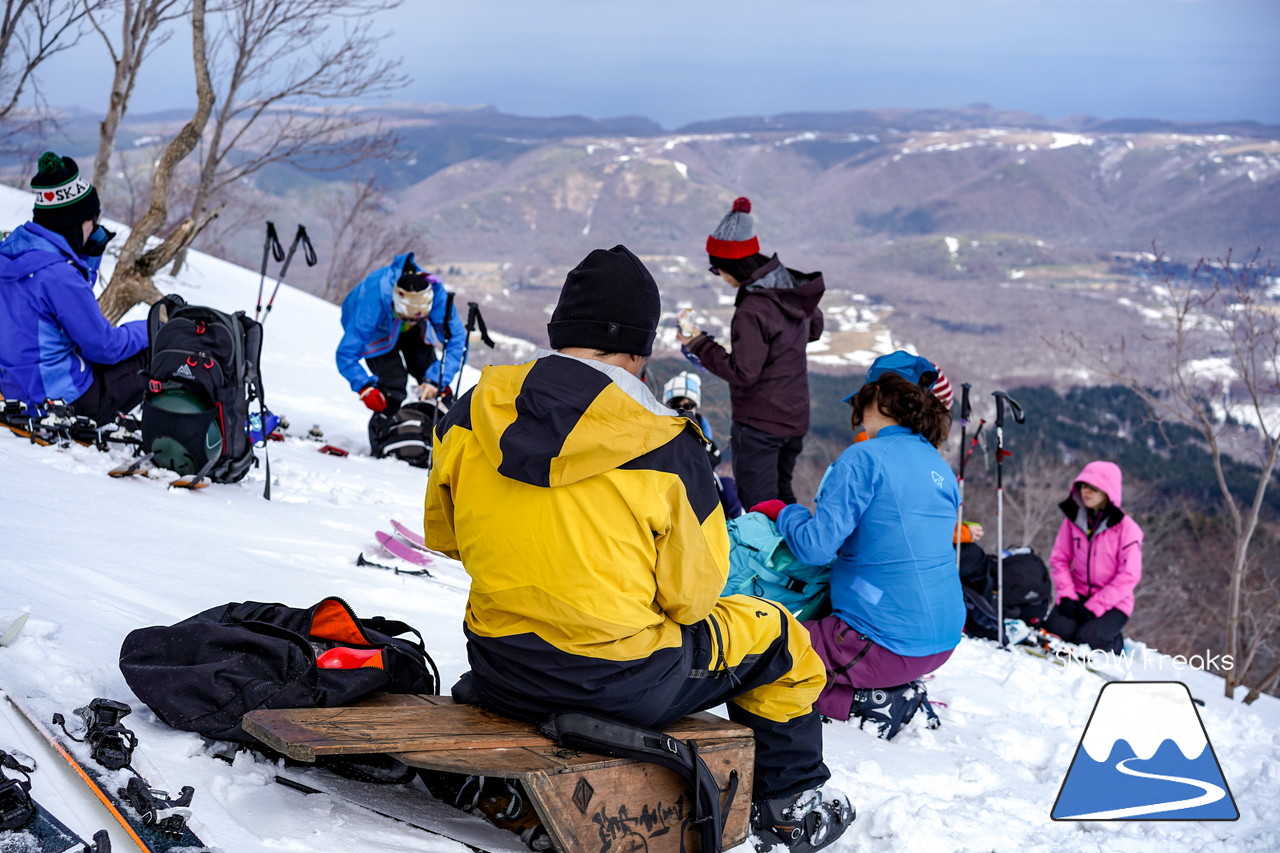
(1145, 755)
(184, 371)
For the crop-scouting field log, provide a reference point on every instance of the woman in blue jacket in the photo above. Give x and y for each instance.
(391, 321)
(885, 513)
(54, 342)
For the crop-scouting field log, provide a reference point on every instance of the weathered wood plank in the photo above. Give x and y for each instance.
(399, 725)
(519, 763)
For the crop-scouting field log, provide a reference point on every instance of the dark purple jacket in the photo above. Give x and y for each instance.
(776, 315)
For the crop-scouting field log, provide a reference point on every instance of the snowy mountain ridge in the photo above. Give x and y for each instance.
(93, 558)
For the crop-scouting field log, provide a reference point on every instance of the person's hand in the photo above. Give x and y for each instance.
(975, 530)
(372, 398)
(687, 339)
(1069, 607)
(427, 391)
(769, 509)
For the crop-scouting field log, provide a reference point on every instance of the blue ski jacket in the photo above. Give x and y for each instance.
(51, 330)
(370, 327)
(885, 512)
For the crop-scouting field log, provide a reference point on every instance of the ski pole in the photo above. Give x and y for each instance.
(308, 253)
(449, 310)
(474, 320)
(965, 411)
(1001, 453)
(270, 249)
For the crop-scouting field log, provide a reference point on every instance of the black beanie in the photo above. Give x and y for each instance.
(64, 200)
(610, 303)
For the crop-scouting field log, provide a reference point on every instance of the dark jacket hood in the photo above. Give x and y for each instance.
(797, 294)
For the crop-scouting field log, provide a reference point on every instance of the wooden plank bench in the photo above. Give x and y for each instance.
(588, 803)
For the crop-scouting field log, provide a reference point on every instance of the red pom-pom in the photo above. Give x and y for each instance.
(742, 205)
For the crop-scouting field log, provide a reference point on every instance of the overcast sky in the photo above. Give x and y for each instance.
(678, 61)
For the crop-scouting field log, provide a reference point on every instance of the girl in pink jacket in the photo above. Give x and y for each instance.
(1096, 561)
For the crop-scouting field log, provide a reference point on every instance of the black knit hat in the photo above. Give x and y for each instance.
(64, 200)
(610, 303)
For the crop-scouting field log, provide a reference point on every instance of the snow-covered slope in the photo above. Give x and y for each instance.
(93, 558)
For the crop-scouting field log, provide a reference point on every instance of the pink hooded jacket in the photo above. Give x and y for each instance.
(1100, 570)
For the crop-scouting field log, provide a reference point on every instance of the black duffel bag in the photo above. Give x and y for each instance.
(206, 672)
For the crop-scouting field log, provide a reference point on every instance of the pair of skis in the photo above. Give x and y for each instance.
(151, 818)
(26, 825)
(408, 545)
(140, 468)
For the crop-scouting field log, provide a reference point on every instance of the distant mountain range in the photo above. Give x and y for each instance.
(970, 231)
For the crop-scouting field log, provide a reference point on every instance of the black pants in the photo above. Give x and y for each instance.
(1099, 632)
(525, 678)
(763, 464)
(411, 356)
(116, 389)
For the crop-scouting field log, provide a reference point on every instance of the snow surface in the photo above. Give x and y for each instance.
(93, 558)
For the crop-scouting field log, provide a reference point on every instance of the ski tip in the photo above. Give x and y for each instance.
(188, 483)
(11, 633)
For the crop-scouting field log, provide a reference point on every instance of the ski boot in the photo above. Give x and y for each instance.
(888, 709)
(800, 823)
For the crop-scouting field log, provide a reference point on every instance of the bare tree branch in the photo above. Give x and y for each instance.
(131, 282)
(278, 62)
(31, 32)
(1223, 339)
(141, 23)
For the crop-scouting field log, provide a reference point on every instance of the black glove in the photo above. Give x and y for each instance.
(1071, 608)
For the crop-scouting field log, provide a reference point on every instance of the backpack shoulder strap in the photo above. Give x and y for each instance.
(609, 737)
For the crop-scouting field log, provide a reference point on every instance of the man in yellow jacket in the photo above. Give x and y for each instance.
(586, 513)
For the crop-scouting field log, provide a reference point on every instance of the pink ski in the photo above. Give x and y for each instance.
(396, 548)
(413, 538)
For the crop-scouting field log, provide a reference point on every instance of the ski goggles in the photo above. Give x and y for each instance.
(412, 304)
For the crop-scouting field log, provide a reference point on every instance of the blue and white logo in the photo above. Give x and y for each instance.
(1145, 755)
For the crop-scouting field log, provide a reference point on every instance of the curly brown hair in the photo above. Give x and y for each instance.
(908, 404)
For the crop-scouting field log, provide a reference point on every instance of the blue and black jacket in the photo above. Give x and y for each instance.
(370, 327)
(51, 330)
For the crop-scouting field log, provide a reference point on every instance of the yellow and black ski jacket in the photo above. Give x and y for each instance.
(585, 512)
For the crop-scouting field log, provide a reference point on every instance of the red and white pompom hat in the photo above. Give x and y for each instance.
(734, 237)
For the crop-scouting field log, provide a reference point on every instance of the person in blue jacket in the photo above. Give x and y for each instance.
(391, 321)
(885, 513)
(54, 342)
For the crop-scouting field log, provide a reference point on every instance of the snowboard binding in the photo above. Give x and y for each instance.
(110, 743)
(158, 809)
(17, 809)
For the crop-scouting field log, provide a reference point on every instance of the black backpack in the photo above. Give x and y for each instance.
(202, 375)
(1028, 591)
(406, 435)
(206, 672)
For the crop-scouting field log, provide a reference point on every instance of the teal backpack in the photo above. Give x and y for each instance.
(760, 564)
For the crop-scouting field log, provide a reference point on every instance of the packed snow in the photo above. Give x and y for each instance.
(92, 558)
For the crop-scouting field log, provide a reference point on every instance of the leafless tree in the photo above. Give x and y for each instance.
(1037, 482)
(366, 233)
(279, 65)
(131, 283)
(141, 25)
(1221, 317)
(32, 31)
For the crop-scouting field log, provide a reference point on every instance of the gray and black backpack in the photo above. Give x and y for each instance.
(202, 375)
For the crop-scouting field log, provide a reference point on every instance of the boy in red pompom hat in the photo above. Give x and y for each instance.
(776, 314)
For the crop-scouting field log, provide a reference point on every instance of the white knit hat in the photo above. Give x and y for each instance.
(684, 384)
